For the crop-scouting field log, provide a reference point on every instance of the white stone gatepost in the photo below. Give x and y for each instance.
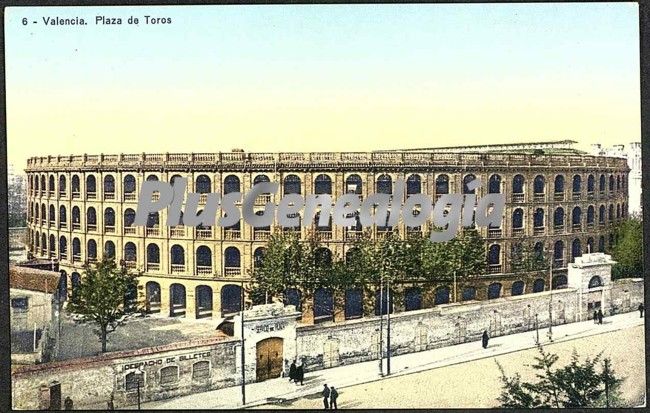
(591, 276)
(262, 322)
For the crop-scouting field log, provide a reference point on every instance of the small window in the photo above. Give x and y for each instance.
(131, 381)
(20, 304)
(169, 375)
(201, 370)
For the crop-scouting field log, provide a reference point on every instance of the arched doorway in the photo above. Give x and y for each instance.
(153, 297)
(177, 301)
(269, 358)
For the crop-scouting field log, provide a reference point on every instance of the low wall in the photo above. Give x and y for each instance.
(91, 381)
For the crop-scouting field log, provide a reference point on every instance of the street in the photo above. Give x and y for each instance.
(464, 375)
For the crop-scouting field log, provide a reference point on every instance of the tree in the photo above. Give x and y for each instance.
(628, 250)
(578, 384)
(525, 258)
(100, 297)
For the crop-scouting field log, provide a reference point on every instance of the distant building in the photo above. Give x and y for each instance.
(633, 155)
(34, 314)
(16, 197)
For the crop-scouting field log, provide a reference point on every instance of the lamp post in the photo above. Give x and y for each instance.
(536, 330)
(381, 326)
(388, 301)
(243, 357)
(550, 302)
(139, 374)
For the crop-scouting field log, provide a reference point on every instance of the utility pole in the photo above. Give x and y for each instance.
(243, 359)
(381, 326)
(536, 330)
(607, 383)
(550, 303)
(455, 296)
(388, 332)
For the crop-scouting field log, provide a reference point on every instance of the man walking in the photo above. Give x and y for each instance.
(300, 374)
(333, 396)
(600, 316)
(595, 317)
(326, 396)
(485, 339)
(641, 308)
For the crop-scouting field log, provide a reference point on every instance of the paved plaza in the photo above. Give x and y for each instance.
(468, 364)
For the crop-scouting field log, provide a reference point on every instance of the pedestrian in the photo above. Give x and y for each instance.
(600, 316)
(485, 338)
(595, 317)
(67, 404)
(292, 372)
(300, 374)
(111, 403)
(641, 308)
(333, 396)
(326, 396)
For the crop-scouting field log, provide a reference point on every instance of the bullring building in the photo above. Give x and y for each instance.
(81, 207)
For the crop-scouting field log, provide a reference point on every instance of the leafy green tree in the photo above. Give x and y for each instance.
(576, 385)
(524, 257)
(100, 296)
(628, 250)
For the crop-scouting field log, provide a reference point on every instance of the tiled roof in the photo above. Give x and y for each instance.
(33, 279)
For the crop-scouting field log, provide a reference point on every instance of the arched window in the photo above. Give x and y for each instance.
(494, 184)
(538, 184)
(611, 183)
(129, 184)
(323, 184)
(292, 296)
(76, 185)
(591, 212)
(130, 252)
(230, 299)
(63, 247)
(231, 184)
(354, 184)
(232, 258)
(91, 186)
(43, 213)
(109, 249)
(442, 184)
(559, 281)
(618, 211)
(323, 257)
(258, 257)
(92, 250)
(129, 217)
(51, 187)
(52, 245)
(76, 249)
(75, 278)
(323, 305)
(441, 296)
(203, 260)
(517, 288)
(595, 281)
(63, 219)
(558, 217)
(558, 252)
(109, 185)
(601, 214)
(109, 219)
(381, 301)
(601, 183)
(466, 180)
(152, 297)
(469, 294)
(577, 183)
(203, 294)
(559, 183)
(384, 184)
(494, 254)
(538, 285)
(618, 182)
(494, 291)
(591, 183)
(174, 178)
(153, 220)
(576, 248)
(518, 184)
(201, 369)
(611, 213)
(62, 185)
(203, 184)
(153, 254)
(43, 189)
(518, 218)
(292, 185)
(134, 381)
(91, 218)
(52, 214)
(576, 217)
(538, 218)
(353, 303)
(177, 300)
(413, 185)
(177, 255)
(152, 178)
(412, 299)
(590, 245)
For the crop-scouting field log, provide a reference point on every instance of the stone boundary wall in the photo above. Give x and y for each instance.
(354, 341)
(90, 381)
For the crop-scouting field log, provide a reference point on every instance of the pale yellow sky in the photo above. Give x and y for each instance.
(324, 79)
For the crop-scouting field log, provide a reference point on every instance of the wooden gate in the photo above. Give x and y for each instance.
(269, 358)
